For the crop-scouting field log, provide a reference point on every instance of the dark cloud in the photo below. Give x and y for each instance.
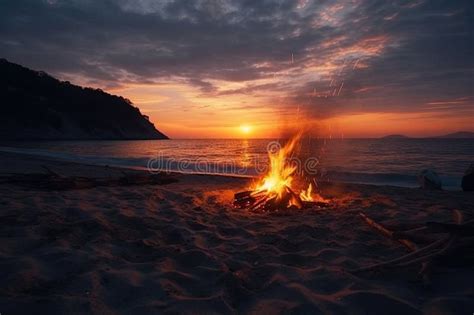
(428, 56)
(366, 55)
(183, 38)
(205, 87)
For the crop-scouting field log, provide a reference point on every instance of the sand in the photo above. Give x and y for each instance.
(182, 248)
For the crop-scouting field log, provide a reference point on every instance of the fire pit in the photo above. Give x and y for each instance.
(275, 192)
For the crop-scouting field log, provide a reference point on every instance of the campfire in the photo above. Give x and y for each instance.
(276, 190)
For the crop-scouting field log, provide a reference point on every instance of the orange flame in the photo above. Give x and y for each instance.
(306, 195)
(279, 179)
(280, 173)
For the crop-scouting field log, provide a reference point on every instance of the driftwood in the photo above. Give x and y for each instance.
(261, 201)
(426, 254)
(50, 172)
(454, 229)
(52, 180)
(404, 258)
(387, 233)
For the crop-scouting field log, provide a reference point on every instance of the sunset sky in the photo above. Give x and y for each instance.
(224, 68)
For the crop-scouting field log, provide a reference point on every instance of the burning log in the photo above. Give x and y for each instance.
(274, 192)
(265, 201)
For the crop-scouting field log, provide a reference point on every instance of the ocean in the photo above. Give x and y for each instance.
(372, 161)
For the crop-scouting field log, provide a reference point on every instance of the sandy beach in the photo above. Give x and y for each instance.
(181, 248)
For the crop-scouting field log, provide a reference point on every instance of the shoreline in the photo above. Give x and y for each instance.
(108, 162)
(179, 246)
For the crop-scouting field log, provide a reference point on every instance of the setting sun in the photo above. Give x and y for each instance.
(245, 129)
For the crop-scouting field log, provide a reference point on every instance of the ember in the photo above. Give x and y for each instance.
(275, 190)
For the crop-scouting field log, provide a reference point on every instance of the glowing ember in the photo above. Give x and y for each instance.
(276, 189)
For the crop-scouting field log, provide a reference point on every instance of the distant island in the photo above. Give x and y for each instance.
(395, 137)
(459, 135)
(37, 106)
(455, 135)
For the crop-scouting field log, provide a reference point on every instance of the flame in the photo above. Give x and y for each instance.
(278, 182)
(280, 173)
(305, 195)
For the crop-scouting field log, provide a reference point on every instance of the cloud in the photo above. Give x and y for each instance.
(330, 57)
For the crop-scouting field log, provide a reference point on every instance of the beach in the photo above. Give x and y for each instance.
(179, 247)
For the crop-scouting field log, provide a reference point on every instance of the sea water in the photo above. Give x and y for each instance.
(374, 161)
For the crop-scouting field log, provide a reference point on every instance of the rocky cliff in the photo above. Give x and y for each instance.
(34, 105)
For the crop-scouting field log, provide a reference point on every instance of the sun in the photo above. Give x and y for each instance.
(245, 129)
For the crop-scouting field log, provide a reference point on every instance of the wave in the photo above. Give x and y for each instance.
(83, 159)
(391, 179)
(189, 166)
